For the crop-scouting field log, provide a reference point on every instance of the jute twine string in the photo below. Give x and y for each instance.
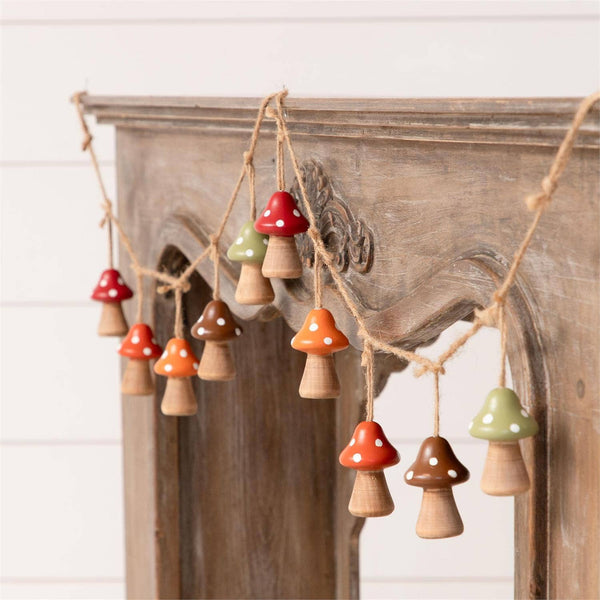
(502, 328)
(436, 403)
(180, 284)
(318, 281)
(368, 363)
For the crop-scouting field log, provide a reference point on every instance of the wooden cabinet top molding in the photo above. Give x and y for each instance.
(522, 121)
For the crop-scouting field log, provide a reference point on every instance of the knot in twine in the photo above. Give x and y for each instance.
(488, 316)
(543, 198)
(181, 284)
(108, 212)
(247, 157)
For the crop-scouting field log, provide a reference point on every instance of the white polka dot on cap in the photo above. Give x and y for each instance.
(104, 283)
(452, 473)
(352, 442)
(409, 475)
(514, 428)
(238, 331)
(313, 326)
(165, 354)
(168, 368)
(524, 413)
(378, 443)
(327, 341)
(201, 330)
(249, 252)
(433, 461)
(279, 223)
(120, 281)
(195, 365)
(239, 240)
(183, 353)
(147, 351)
(356, 457)
(135, 339)
(221, 321)
(267, 213)
(296, 212)
(487, 419)
(113, 293)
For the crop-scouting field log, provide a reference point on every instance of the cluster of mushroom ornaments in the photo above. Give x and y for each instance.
(267, 249)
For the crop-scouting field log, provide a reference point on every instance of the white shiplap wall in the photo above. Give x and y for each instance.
(61, 509)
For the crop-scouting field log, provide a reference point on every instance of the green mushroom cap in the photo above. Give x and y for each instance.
(503, 418)
(250, 246)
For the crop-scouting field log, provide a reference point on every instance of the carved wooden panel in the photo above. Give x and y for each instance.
(421, 201)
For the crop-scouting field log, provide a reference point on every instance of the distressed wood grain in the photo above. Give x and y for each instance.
(439, 184)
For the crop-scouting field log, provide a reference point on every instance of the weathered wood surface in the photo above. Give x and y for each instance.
(439, 185)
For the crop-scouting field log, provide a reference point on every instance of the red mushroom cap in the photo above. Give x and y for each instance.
(281, 217)
(140, 343)
(111, 287)
(369, 449)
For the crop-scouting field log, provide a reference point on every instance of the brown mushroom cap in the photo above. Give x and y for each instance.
(436, 466)
(216, 324)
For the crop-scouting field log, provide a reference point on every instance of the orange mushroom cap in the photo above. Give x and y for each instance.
(178, 360)
(369, 449)
(319, 334)
(140, 343)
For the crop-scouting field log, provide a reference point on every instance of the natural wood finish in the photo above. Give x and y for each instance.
(320, 379)
(253, 287)
(137, 379)
(178, 398)
(439, 516)
(370, 495)
(281, 259)
(216, 363)
(504, 472)
(439, 185)
(112, 320)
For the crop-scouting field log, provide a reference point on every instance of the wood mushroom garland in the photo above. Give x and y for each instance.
(178, 363)
(216, 326)
(111, 290)
(281, 220)
(250, 248)
(319, 338)
(369, 452)
(436, 469)
(503, 422)
(140, 348)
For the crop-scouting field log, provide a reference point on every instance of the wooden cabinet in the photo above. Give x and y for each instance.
(421, 203)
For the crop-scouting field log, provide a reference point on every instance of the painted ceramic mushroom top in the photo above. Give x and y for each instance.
(216, 323)
(369, 449)
(250, 246)
(140, 343)
(111, 287)
(281, 217)
(319, 334)
(178, 360)
(503, 418)
(436, 466)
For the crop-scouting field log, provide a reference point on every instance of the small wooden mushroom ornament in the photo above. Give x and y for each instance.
(503, 422)
(319, 338)
(111, 290)
(436, 470)
(216, 326)
(281, 221)
(178, 363)
(369, 452)
(250, 248)
(140, 347)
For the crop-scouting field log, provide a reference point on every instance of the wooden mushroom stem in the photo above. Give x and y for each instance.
(320, 378)
(112, 320)
(504, 472)
(216, 363)
(253, 287)
(179, 399)
(137, 380)
(281, 259)
(370, 495)
(439, 517)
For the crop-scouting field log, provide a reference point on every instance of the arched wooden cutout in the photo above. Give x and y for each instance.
(440, 185)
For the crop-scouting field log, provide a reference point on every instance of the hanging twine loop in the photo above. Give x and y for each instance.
(436, 403)
(367, 362)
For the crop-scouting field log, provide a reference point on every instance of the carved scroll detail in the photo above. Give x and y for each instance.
(347, 238)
